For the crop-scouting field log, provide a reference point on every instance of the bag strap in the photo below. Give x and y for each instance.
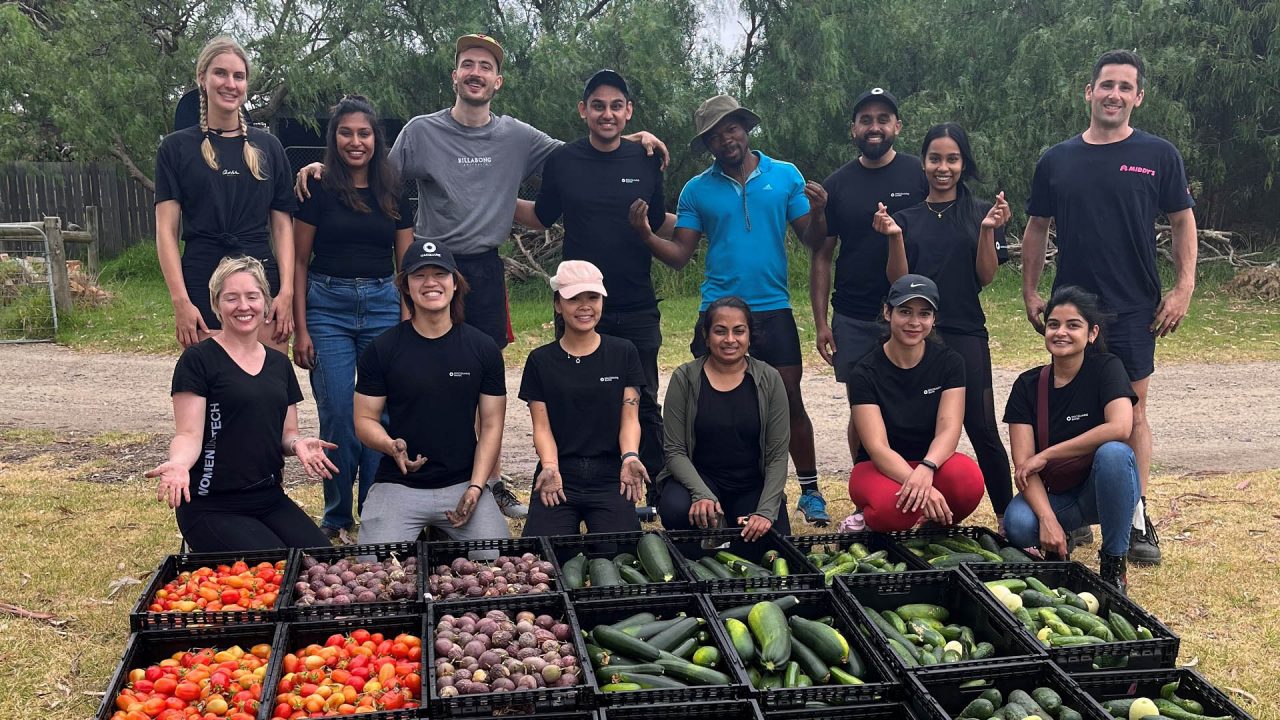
(1042, 408)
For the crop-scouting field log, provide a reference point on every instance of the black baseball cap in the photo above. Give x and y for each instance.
(606, 77)
(876, 93)
(427, 252)
(910, 287)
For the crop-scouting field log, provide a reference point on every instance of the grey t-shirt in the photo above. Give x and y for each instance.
(468, 178)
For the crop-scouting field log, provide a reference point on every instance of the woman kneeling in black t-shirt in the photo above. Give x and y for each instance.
(235, 406)
(583, 392)
(1071, 464)
(908, 406)
(727, 428)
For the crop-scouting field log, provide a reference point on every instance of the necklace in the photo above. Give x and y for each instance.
(576, 360)
(938, 212)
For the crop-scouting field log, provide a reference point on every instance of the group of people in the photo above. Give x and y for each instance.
(401, 318)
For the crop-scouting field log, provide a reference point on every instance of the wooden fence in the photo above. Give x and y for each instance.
(32, 191)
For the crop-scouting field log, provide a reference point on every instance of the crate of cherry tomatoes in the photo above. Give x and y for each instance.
(213, 589)
(190, 673)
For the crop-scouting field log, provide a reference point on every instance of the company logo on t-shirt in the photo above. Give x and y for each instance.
(609, 378)
(767, 186)
(932, 390)
(628, 181)
(1073, 418)
(899, 194)
(1138, 169)
(459, 373)
(210, 449)
(230, 172)
(475, 160)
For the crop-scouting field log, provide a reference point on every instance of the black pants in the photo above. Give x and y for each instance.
(675, 501)
(486, 306)
(257, 520)
(980, 417)
(591, 492)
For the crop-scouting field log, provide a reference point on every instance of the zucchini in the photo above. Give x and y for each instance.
(643, 668)
(655, 558)
(620, 687)
(923, 610)
(631, 576)
(843, 678)
(902, 651)
(784, 603)
(769, 628)
(988, 543)
(1028, 703)
(693, 674)
(634, 620)
(780, 568)
(979, 709)
(956, 559)
(573, 571)
(700, 572)
(1014, 584)
(649, 629)
(684, 650)
(855, 665)
(891, 633)
(740, 636)
(715, 568)
(1035, 599)
(603, 573)
(706, 656)
(810, 663)
(679, 631)
(625, 558)
(791, 678)
(1014, 555)
(824, 640)
(618, 641)
(649, 682)
(1047, 699)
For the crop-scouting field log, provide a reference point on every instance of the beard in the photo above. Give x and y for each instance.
(875, 151)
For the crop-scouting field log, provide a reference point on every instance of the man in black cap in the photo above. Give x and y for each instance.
(594, 182)
(843, 206)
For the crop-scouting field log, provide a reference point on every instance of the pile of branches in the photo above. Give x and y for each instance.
(1215, 246)
(534, 253)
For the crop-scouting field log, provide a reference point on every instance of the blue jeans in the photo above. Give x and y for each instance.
(1106, 498)
(343, 316)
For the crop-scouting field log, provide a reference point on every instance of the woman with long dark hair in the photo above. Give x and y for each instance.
(955, 239)
(1068, 423)
(347, 235)
(228, 184)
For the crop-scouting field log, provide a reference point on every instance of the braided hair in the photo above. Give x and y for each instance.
(252, 155)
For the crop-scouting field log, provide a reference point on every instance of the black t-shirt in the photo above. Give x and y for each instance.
(583, 395)
(350, 244)
(433, 388)
(594, 191)
(727, 433)
(225, 211)
(909, 398)
(947, 253)
(852, 194)
(1104, 200)
(1075, 408)
(243, 418)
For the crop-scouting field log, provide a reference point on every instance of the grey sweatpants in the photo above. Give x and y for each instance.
(397, 513)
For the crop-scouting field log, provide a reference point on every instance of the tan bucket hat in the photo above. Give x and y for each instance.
(711, 112)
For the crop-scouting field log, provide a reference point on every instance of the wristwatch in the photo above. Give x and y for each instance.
(929, 464)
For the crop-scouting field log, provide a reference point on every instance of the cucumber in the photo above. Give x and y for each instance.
(784, 603)
(618, 641)
(740, 636)
(1028, 703)
(720, 571)
(706, 656)
(1036, 599)
(923, 610)
(904, 653)
(824, 640)
(891, 633)
(1014, 584)
(1170, 709)
(1047, 699)
(843, 678)
(679, 631)
(982, 650)
(988, 543)
(979, 709)
(1169, 691)
(634, 621)
(1066, 713)
(810, 663)
(773, 640)
(804, 681)
(1073, 640)
(631, 576)
(1119, 708)
(1121, 625)
(1035, 584)
(650, 682)
(573, 571)
(780, 568)
(1072, 599)
(895, 620)
(603, 573)
(620, 687)
(655, 558)
(993, 696)
(693, 674)
(791, 678)
(1014, 555)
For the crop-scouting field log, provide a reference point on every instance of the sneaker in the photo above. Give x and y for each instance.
(814, 508)
(508, 503)
(853, 523)
(1081, 536)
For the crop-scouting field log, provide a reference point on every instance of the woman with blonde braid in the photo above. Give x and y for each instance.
(229, 185)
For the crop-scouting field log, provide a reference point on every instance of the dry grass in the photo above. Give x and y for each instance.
(66, 541)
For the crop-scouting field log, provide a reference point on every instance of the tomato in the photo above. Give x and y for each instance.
(360, 636)
(187, 690)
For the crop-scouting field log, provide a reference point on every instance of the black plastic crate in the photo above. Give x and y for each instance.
(607, 545)
(710, 710)
(949, 589)
(689, 548)
(597, 612)
(1122, 684)
(290, 610)
(973, 532)
(295, 636)
(142, 619)
(873, 541)
(936, 693)
(443, 552)
(875, 711)
(1159, 652)
(151, 646)
(881, 683)
(556, 699)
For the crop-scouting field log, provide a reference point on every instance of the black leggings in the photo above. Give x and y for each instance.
(675, 501)
(257, 520)
(591, 490)
(980, 417)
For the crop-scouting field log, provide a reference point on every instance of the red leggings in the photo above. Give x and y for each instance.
(958, 479)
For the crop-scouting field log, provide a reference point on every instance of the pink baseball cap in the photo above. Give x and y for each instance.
(577, 276)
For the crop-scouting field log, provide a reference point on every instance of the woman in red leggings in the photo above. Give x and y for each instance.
(908, 408)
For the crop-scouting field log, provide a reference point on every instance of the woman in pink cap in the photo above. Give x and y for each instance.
(583, 392)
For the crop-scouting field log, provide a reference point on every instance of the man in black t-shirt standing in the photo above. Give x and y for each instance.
(1104, 189)
(842, 209)
(594, 182)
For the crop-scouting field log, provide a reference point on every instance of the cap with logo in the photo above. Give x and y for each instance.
(711, 112)
(574, 277)
(478, 40)
(876, 94)
(606, 77)
(427, 252)
(910, 287)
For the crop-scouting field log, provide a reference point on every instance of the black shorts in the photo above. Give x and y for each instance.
(198, 290)
(1129, 338)
(774, 338)
(486, 304)
(854, 339)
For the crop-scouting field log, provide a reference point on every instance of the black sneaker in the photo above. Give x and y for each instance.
(1081, 536)
(508, 503)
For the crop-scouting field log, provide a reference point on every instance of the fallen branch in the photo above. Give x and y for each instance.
(21, 612)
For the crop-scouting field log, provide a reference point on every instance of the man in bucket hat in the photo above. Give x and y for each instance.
(743, 204)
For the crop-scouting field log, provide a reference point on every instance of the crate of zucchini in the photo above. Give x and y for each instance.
(1006, 691)
(1083, 622)
(657, 649)
(1180, 694)
(835, 554)
(708, 710)
(615, 565)
(720, 562)
(947, 547)
(924, 618)
(801, 647)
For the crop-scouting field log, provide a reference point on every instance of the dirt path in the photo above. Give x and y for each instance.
(1206, 417)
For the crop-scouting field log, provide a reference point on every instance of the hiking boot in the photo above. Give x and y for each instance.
(508, 503)
(337, 536)
(1144, 545)
(1081, 536)
(1114, 569)
(814, 508)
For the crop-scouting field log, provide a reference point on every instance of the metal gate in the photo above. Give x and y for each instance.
(28, 312)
